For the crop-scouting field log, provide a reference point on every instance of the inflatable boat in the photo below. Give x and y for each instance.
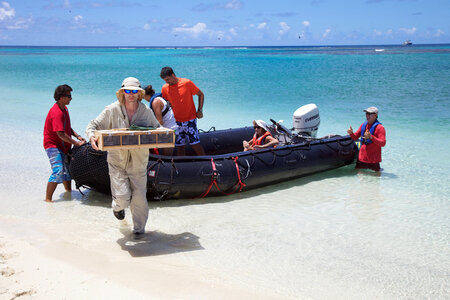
(226, 169)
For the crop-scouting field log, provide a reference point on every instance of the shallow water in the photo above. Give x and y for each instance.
(338, 234)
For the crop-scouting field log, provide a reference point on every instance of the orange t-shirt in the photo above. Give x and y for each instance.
(180, 97)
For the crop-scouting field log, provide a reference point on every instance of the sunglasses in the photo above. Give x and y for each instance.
(131, 91)
(256, 127)
(68, 96)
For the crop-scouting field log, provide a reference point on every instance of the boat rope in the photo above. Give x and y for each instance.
(248, 168)
(82, 186)
(212, 128)
(267, 164)
(215, 174)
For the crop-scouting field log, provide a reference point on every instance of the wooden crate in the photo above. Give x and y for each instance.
(121, 138)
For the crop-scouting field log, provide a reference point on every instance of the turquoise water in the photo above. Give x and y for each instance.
(357, 234)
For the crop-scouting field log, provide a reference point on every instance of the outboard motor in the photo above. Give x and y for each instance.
(307, 120)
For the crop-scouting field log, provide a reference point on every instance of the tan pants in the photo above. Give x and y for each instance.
(129, 188)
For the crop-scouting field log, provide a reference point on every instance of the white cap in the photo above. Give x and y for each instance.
(371, 110)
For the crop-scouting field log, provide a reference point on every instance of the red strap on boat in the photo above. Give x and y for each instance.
(241, 184)
(214, 180)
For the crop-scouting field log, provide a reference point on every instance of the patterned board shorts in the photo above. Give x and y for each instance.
(187, 130)
(59, 164)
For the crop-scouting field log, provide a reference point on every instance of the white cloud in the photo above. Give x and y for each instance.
(326, 33)
(6, 11)
(233, 31)
(147, 26)
(380, 33)
(439, 33)
(409, 31)
(306, 23)
(66, 4)
(262, 25)
(195, 30)
(284, 28)
(234, 4)
(20, 24)
(78, 18)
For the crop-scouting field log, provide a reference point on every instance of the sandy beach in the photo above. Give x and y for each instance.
(39, 261)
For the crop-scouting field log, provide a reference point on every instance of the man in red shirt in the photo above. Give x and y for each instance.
(373, 138)
(179, 92)
(58, 140)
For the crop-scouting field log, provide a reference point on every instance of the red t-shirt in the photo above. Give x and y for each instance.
(371, 153)
(57, 120)
(180, 96)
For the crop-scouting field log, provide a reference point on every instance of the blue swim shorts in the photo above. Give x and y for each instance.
(187, 130)
(59, 165)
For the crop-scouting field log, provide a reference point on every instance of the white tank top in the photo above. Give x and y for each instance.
(168, 118)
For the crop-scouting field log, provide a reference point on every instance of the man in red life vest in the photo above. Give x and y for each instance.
(372, 140)
(261, 139)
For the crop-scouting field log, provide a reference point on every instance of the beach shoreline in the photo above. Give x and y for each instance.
(38, 263)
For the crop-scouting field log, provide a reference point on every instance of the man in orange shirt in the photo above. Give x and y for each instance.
(179, 92)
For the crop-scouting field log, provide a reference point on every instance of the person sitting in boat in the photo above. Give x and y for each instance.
(262, 137)
(163, 112)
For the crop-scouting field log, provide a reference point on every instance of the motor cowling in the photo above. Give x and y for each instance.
(307, 120)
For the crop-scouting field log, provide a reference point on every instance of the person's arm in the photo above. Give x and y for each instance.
(247, 145)
(354, 135)
(201, 100)
(157, 106)
(66, 138)
(79, 137)
(270, 141)
(99, 123)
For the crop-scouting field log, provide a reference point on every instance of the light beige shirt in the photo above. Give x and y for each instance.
(115, 116)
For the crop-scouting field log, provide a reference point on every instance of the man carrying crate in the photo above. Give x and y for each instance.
(127, 167)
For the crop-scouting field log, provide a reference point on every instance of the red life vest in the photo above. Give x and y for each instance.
(261, 139)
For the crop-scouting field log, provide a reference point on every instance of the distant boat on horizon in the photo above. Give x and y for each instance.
(407, 43)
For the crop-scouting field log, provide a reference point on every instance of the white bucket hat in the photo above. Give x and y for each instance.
(261, 124)
(131, 83)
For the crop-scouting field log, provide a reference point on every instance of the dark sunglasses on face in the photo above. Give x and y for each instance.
(130, 91)
(256, 127)
(68, 96)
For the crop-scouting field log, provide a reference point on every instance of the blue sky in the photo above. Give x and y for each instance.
(223, 22)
